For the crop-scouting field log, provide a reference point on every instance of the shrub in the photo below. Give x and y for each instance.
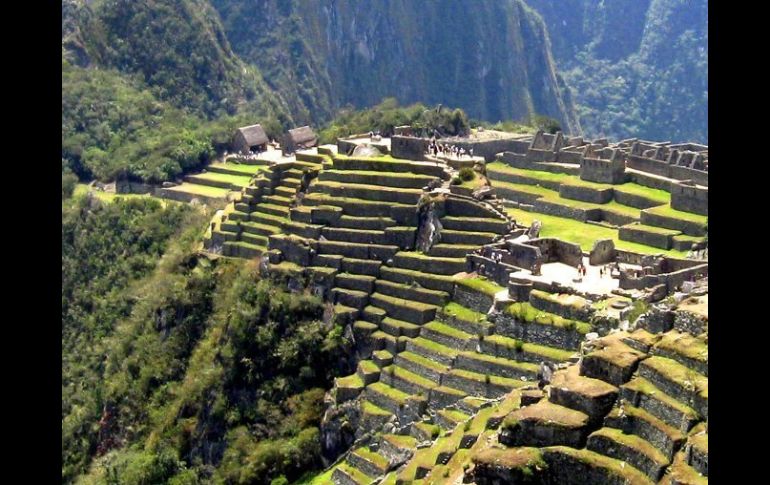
(518, 345)
(456, 181)
(467, 174)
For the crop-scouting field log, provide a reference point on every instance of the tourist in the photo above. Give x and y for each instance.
(470, 152)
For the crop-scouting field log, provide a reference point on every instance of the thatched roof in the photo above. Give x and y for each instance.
(303, 136)
(254, 135)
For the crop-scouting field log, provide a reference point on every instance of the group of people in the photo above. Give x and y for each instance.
(448, 150)
(605, 270)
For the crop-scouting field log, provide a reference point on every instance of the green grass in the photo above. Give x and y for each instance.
(324, 478)
(526, 312)
(422, 361)
(197, 189)
(583, 234)
(351, 381)
(435, 347)
(392, 393)
(482, 285)
(654, 230)
(532, 174)
(239, 180)
(82, 189)
(657, 195)
(242, 168)
(372, 409)
(452, 332)
(667, 211)
(552, 353)
(466, 314)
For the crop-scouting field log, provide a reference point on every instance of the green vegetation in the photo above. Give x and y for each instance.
(667, 211)
(527, 313)
(583, 234)
(482, 285)
(162, 354)
(388, 114)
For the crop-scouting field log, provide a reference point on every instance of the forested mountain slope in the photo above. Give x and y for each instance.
(637, 68)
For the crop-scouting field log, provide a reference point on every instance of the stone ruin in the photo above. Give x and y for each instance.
(473, 362)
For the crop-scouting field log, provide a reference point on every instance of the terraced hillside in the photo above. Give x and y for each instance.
(459, 378)
(219, 180)
(637, 217)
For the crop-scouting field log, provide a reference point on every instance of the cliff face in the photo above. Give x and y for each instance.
(488, 57)
(637, 68)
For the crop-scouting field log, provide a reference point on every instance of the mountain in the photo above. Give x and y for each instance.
(490, 58)
(637, 68)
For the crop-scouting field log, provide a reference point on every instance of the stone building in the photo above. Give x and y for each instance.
(299, 139)
(250, 139)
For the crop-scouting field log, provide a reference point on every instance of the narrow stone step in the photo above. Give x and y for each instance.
(518, 350)
(278, 200)
(359, 236)
(367, 461)
(421, 365)
(399, 328)
(449, 236)
(349, 281)
(309, 231)
(444, 250)
(364, 266)
(279, 210)
(363, 222)
(426, 280)
(633, 420)
(351, 298)
(613, 361)
(345, 474)
(389, 342)
(641, 393)
(423, 431)
(449, 336)
(429, 264)
(432, 350)
(544, 424)
(374, 314)
(368, 371)
(260, 229)
(410, 311)
(593, 397)
(386, 397)
(630, 448)
(499, 366)
(450, 418)
(478, 384)
(284, 191)
(406, 381)
(412, 292)
(678, 381)
(476, 224)
(254, 239)
(465, 319)
(565, 462)
(382, 358)
(689, 351)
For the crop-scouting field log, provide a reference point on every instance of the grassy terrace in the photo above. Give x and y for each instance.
(526, 312)
(197, 189)
(583, 234)
(654, 230)
(563, 178)
(240, 180)
(644, 386)
(555, 354)
(462, 313)
(482, 285)
(82, 189)
(667, 211)
(240, 167)
(616, 467)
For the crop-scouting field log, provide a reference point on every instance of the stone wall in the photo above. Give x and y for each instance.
(603, 252)
(586, 194)
(686, 227)
(524, 256)
(690, 198)
(670, 280)
(473, 299)
(495, 271)
(408, 147)
(602, 171)
(556, 250)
